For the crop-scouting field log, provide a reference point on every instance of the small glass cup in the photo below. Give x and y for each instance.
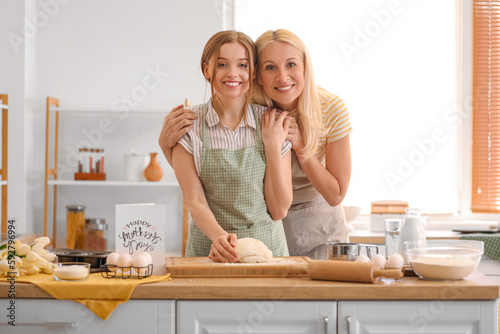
(392, 228)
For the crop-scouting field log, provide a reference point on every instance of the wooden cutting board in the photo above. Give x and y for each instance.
(204, 267)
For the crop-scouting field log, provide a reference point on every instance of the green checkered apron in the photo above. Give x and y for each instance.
(233, 181)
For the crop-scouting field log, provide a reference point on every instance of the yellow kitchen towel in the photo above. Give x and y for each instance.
(101, 295)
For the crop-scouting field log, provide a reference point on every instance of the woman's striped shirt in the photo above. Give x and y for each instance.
(335, 118)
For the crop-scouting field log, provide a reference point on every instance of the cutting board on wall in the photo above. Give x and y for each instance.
(204, 267)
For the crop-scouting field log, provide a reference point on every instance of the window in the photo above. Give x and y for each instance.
(395, 64)
(486, 107)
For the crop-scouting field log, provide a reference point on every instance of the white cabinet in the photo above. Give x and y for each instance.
(260, 316)
(439, 316)
(44, 316)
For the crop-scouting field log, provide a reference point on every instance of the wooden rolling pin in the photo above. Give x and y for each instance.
(349, 271)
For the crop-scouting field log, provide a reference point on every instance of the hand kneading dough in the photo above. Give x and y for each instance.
(252, 251)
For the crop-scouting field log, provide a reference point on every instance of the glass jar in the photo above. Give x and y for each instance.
(392, 230)
(75, 225)
(95, 234)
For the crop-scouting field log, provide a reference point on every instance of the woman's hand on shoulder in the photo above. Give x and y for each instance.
(222, 249)
(178, 122)
(275, 127)
(295, 137)
(175, 125)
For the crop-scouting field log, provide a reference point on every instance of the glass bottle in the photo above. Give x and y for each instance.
(412, 230)
(80, 160)
(392, 230)
(92, 161)
(86, 160)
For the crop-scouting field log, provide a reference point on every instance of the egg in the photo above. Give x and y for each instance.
(140, 264)
(379, 261)
(395, 261)
(363, 258)
(112, 261)
(124, 262)
(148, 256)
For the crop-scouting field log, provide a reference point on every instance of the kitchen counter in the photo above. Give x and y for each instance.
(475, 287)
(194, 305)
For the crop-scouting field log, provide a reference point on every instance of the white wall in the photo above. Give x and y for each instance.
(12, 82)
(99, 55)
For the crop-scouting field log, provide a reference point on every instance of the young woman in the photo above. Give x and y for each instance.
(233, 165)
(319, 132)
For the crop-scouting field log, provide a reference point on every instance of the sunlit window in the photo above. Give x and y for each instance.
(394, 64)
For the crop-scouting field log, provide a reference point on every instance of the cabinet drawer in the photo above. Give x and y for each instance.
(266, 316)
(437, 316)
(42, 316)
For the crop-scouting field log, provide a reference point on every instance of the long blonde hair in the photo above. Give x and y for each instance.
(309, 117)
(211, 53)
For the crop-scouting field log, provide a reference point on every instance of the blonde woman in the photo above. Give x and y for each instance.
(319, 133)
(233, 165)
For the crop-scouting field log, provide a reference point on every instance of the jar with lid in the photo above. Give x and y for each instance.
(412, 230)
(75, 225)
(95, 234)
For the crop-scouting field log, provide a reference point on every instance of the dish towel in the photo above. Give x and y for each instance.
(491, 243)
(101, 295)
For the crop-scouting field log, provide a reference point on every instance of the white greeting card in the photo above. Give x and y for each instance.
(141, 228)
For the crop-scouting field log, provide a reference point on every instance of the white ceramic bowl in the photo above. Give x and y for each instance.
(71, 271)
(351, 212)
(443, 259)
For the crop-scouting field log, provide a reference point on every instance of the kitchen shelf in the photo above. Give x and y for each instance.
(51, 177)
(112, 183)
(3, 106)
(103, 111)
(3, 183)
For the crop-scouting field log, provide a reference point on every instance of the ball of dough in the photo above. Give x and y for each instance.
(251, 250)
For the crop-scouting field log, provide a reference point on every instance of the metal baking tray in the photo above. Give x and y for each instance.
(95, 258)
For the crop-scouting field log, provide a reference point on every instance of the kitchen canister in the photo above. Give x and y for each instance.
(134, 165)
(75, 226)
(95, 234)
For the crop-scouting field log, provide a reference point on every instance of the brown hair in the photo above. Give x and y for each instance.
(211, 53)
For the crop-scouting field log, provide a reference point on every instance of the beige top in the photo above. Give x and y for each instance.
(335, 119)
